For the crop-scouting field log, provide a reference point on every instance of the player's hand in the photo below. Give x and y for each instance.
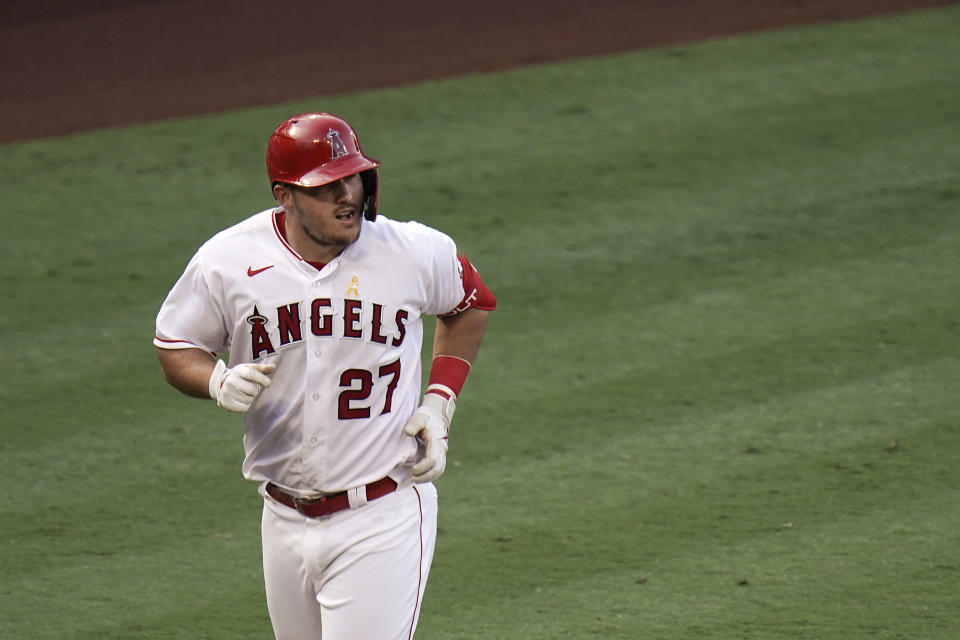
(431, 424)
(235, 389)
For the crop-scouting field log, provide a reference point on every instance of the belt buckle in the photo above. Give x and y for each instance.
(301, 504)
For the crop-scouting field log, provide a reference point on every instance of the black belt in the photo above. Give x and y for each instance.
(325, 505)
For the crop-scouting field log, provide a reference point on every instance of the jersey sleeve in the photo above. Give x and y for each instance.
(454, 282)
(190, 316)
(445, 277)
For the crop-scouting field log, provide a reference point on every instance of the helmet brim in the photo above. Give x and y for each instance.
(334, 170)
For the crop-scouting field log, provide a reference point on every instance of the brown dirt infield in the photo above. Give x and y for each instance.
(73, 65)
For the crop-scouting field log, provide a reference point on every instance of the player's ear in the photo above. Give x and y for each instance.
(282, 193)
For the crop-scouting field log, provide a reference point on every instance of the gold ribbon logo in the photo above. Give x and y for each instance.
(354, 287)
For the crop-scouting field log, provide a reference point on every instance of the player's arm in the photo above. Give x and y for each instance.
(455, 346)
(197, 373)
(187, 370)
(460, 336)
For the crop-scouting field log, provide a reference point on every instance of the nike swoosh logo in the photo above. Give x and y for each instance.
(252, 272)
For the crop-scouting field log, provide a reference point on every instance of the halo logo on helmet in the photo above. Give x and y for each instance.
(337, 147)
(314, 149)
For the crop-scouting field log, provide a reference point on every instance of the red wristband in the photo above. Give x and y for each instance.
(449, 371)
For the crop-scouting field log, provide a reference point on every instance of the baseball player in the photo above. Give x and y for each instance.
(320, 304)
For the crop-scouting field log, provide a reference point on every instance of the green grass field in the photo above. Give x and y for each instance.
(719, 398)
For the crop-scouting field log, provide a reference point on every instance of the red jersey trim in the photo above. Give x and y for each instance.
(173, 342)
(279, 216)
(417, 602)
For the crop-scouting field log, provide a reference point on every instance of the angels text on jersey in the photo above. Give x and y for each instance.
(347, 318)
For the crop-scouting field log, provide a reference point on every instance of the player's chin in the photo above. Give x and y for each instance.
(351, 229)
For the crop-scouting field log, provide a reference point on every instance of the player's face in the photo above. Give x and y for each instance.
(323, 221)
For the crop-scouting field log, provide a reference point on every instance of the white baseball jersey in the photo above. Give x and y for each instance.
(346, 340)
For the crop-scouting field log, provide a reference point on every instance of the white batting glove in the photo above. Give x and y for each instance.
(431, 424)
(235, 389)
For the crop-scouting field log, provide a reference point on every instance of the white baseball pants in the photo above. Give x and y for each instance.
(357, 574)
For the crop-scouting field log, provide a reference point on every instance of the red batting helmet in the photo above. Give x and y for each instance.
(314, 149)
